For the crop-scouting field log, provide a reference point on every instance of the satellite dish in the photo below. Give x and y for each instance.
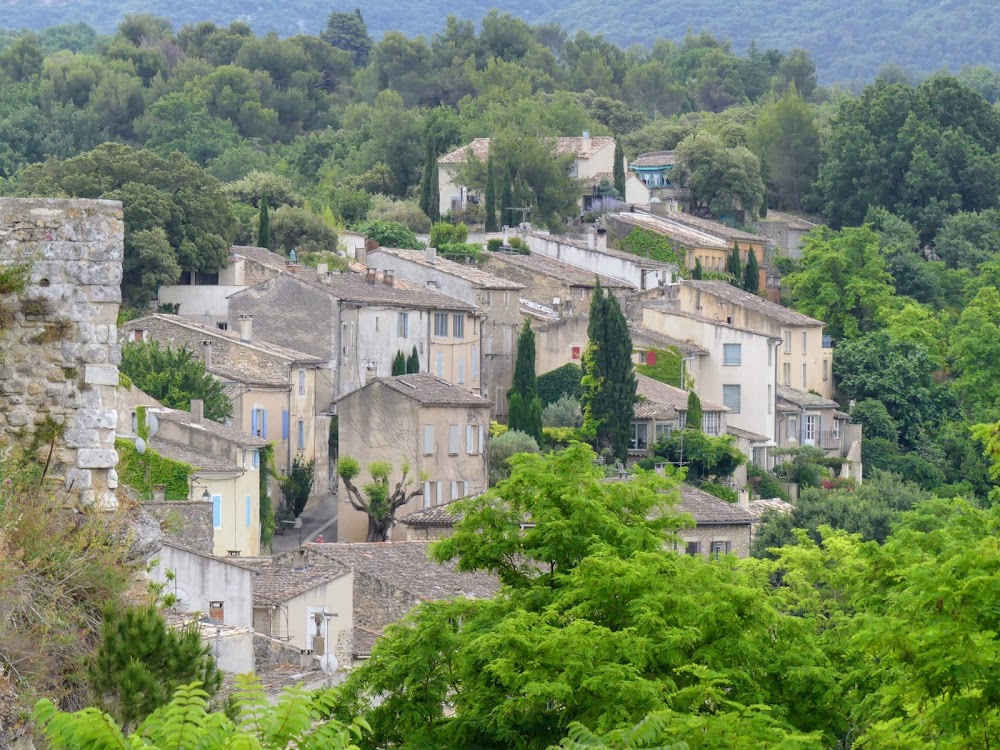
(328, 663)
(140, 446)
(152, 423)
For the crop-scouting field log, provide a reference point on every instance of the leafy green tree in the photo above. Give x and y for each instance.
(174, 377)
(503, 447)
(22, 59)
(264, 224)
(734, 267)
(751, 274)
(974, 349)
(348, 31)
(609, 384)
(429, 202)
(842, 281)
(722, 180)
(786, 137)
(523, 413)
(254, 186)
(141, 661)
(490, 198)
(297, 486)
(390, 234)
(399, 364)
(706, 458)
(697, 273)
(413, 362)
(182, 122)
(619, 170)
(967, 240)
(693, 416)
(301, 230)
(381, 500)
(299, 718)
(565, 412)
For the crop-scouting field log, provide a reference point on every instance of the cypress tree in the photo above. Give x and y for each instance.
(399, 364)
(491, 198)
(619, 170)
(413, 362)
(609, 384)
(435, 190)
(264, 225)
(734, 267)
(693, 412)
(751, 274)
(697, 273)
(527, 415)
(506, 200)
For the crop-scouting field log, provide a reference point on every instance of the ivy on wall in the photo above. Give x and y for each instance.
(667, 368)
(266, 506)
(649, 245)
(132, 470)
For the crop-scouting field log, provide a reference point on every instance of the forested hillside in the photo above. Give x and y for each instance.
(849, 41)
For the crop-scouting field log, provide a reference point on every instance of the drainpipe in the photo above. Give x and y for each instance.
(288, 464)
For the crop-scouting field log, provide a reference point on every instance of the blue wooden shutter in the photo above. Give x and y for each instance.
(249, 513)
(264, 415)
(253, 421)
(284, 424)
(217, 511)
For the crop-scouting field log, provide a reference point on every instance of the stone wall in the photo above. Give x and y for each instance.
(58, 341)
(188, 523)
(377, 603)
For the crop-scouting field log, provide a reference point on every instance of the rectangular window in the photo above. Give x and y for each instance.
(249, 511)
(302, 383)
(693, 548)
(803, 376)
(454, 490)
(720, 548)
(793, 428)
(770, 354)
(403, 326)
(284, 424)
(826, 370)
(788, 342)
(787, 373)
(441, 325)
(427, 494)
(376, 324)
(732, 355)
(465, 489)
(461, 371)
(255, 458)
(458, 326)
(809, 429)
(836, 429)
(470, 439)
(453, 438)
(439, 365)
(475, 363)
(664, 431)
(482, 440)
(710, 423)
(439, 492)
(217, 511)
(804, 335)
(428, 440)
(731, 397)
(642, 358)
(302, 435)
(769, 404)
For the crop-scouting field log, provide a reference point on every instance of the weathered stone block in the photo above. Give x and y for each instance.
(100, 374)
(78, 479)
(96, 458)
(96, 418)
(82, 438)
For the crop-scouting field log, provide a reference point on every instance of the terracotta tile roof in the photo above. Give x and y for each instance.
(220, 430)
(681, 234)
(804, 399)
(589, 183)
(794, 222)
(753, 437)
(476, 276)
(708, 510)
(655, 159)
(205, 462)
(275, 581)
(229, 336)
(480, 148)
(759, 507)
(262, 255)
(737, 296)
(533, 264)
(355, 288)
(435, 516)
(426, 389)
(713, 227)
(405, 566)
(640, 334)
(668, 395)
(651, 410)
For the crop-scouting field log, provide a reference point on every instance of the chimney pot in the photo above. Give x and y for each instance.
(246, 328)
(370, 276)
(322, 268)
(431, 254)
(388, 277)
(206, 353)
(197, 410)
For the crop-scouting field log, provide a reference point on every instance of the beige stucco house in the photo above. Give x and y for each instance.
(594, 158)
(496, 296)
(661, 409)
(276, 392)
(808, 419)
(440, 430)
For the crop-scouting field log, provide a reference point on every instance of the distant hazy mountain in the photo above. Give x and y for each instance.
(849, 39)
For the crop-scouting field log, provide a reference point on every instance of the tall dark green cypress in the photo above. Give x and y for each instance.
(751, 274)
(693, 421)
(619, 169)
(429, 202)
(413, 362)
(734, 267)
(506, 199)
(697, 272)
(491, 198)
(609, 384)
(264, 224)
(525, 412)
(399, 364)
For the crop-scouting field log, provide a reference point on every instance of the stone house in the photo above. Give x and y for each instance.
(595, 257)
(497, 297)
(391, 578)
(594, 155)
(805, 358)
(786, 231)
(274, 390)
(440, 430)
(804, 418)
(719, 528)
(225, 467)
(662, 409)
(738, 370)
(658, 172)
(357, 323)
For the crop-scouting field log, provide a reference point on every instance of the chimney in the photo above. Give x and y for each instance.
(388, 277)
(197, 410)
(299, 559)
(246, 328)
(217, 611)
(431, 254)
(591, 240)
(370, 276)
(585, 150)
(322, 269)
(206, 354)
(602, 238)
(744, 498)
(371, 372)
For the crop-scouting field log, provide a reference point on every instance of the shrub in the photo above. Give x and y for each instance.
(391, 234)
(461, 252)
(503, 447)
(565, 412)
(407, 213)
(494, 244)
(720, 491)
(302, 230)
(445, 233)
(562, 381)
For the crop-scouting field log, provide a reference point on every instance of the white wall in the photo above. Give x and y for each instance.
(202, 304)
(607, 263)
(199, 579)
(233, 650)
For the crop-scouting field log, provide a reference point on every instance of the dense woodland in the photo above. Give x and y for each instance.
(850, 41)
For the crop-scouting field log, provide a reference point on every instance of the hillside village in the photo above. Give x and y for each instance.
(504, 389)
